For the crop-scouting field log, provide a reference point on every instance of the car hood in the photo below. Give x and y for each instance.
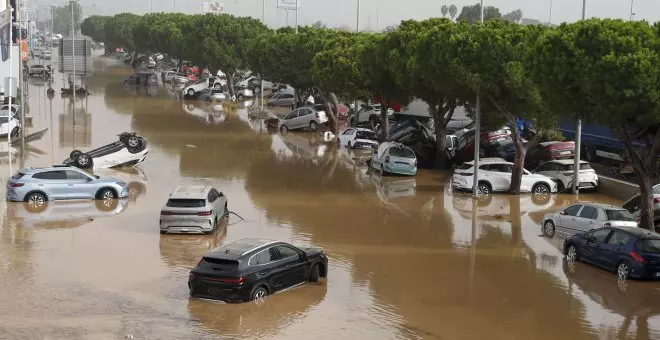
(110, 180)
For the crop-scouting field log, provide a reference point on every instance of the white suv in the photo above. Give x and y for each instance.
(495, 176)
(193, 209)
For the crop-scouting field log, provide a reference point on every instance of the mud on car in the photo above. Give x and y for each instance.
(130, 150)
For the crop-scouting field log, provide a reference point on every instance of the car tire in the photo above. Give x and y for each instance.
(623, 270)
(313, 126)
(284, 129)
(315, 273)
(541, 189)
(572, 253)
(84, 161)
(349, 146)
(258, 293)
(74, 154)
(191, 92)
(36, 202)
(548, 228)
(106, 193)
(484, 188)
(106, 204)
(240, 97)
(133, 143)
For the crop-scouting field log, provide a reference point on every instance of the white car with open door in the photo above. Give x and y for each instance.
(202, 84)
(358, 138)
(495, 176)
(130, 150)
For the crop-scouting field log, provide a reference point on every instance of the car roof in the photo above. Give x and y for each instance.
(600, 205)
(566, 161)
(190, 191)
(31, 170)
(489, 160)
(639, 232)
(239, 248)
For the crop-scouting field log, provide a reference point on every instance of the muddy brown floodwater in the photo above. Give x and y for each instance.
(406, 261)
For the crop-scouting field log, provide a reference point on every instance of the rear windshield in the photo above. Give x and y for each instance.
(4, 119)
(18, 175)
(649, 246)
(210, 263)
(401, 152)
(583, 166)
(619, 215)
(465, 166)
(365, 135)
(186, 203)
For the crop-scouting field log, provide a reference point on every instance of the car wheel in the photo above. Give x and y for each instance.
(623, 270)
(259, 294)
(191, 92)
(133, 142)
(239, 97)
(548, 229)
(284, 129)
(313, 126)
(572, 254)
(106, 193)
(106, 204)
(35, 202)
(315, 273)
(74, 154)
(541, 189)
(84, 161)
(484, 189)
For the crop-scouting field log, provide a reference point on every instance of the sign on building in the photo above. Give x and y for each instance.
(288, 4)
(75, 55)
(211, 7)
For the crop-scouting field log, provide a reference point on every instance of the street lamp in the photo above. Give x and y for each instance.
(578, 133)
(477, 131)
(632, 14)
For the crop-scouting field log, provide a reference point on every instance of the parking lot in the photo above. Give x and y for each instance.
(407, 257)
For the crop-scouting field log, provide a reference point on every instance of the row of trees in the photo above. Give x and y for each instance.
(602, 71)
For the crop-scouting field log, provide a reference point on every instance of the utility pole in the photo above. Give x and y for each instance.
(477, 130)
(632, 3)
(550, 16)
(578, 134)
(11, 88)
(356, 118)
(73, 54)
(297, 10)
(263, 21)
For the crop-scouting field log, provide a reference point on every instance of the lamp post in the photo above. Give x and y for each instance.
(477, 131)
(632, 14)
(578, 134)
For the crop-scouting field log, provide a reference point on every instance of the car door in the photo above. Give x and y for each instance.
(526, 181)
(293, 119)
(567, 219)
(613, 246)
(294, 264)
(79, 186)
(53, 183)
(303, 118)
(269, 268)
(501, 176)
(594, 240)
(586, 219)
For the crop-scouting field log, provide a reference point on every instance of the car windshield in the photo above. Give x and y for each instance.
(185, 203)
(398, 151)
(649, 246)
(4, 119)
(465, 166)
(366, 135)
(619, 215)
(583, 166)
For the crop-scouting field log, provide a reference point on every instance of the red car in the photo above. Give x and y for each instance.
(548, 151)
(465, 144)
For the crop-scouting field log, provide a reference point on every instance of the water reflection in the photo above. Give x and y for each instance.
(63, 214)
(186, 250)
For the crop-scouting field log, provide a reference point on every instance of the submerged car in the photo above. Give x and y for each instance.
(193, 209)
(251, 269)
(9, 125)
(39, 185)
(584, 217)
(495, 176)
(394, 158)
(130, 150)
(358, 138)
(628, 251)
(242, 93)
(305, 117)
(209, 95)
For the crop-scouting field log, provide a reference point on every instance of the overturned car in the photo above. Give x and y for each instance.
(130, 150)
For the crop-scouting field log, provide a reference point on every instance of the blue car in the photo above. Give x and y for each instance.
(394, 158)
(629, 251)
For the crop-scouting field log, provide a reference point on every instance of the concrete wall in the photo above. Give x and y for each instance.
(616, 188)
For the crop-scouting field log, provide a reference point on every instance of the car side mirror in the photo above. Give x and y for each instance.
(562, 213)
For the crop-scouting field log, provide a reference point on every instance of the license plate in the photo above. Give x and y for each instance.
(565, 153)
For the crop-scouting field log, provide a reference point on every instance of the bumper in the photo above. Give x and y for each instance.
(459, 183)
(13, 196)
(221, 292)
(586, 185)
(184, 226)
(124, 192)
(646, 272)
(400, 169)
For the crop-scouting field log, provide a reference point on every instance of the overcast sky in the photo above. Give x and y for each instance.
(379, 13)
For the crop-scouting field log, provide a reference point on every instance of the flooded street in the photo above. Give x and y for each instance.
(406, 260)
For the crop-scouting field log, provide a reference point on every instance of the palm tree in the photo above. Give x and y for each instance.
(452, 11)
(444, 10)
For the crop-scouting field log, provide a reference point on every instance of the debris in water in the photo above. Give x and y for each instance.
(190, 146)
(129, 336)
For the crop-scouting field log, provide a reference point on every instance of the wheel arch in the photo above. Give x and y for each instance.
(323, 270)
(36, 192)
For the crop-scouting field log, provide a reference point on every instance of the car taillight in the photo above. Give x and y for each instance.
(165, 213)
(637, 257)
(607, 225)
(318, 116)
(231, 280)
(656, 199)
(387, 159)
(204, 213)
(16, 185)
(191, 277)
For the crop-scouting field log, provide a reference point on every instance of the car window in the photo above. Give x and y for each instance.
(619, 215)
(633, 204)
(348, 132)
(588, 212)
(618, 238)
(291, 115)
(649, 246)
(70, 174)
(465, 166)
(185, 203)
(600, 234)
(572, 210)
(503, 168)
(286, 252)
(304, 112)
(211, 197)
(264, 257)
(286, 96)
(397, 151)
(51, 175)
(366, 135)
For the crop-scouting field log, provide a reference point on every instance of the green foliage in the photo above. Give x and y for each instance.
(119, 30)
(62, 18)
(94, 27)
(472, 14)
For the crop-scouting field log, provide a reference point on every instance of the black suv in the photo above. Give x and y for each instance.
(250, 269)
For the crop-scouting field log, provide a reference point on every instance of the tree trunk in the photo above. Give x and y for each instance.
(519, 161)
(441, 117)
(230, 84)
(646, 206)
(331, 110)
(384, 122)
